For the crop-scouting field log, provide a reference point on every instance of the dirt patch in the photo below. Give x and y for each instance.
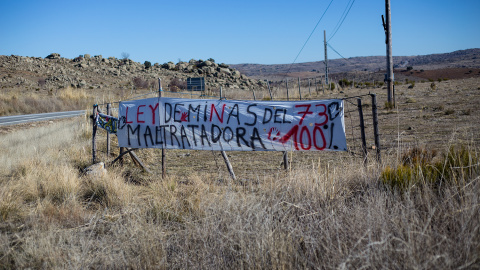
(442, 74)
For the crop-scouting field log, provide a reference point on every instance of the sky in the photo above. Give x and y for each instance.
(235, 32)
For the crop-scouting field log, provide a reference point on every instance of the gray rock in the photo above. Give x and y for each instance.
(82, 84)
(53, 56)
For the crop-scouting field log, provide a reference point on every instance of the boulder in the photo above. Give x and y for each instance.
(82, 84)
(96, 170)
(53, 56)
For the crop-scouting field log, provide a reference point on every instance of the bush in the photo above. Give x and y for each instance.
(332, 86)
(140, 83)
(177, 85)
(345, 83)
(418, 168)
(147, 64)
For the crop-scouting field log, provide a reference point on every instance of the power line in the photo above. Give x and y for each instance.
(342, 18)
(290, 67)
(328, 44)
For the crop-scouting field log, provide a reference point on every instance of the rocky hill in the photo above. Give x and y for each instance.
(459, 59)
(96, 72)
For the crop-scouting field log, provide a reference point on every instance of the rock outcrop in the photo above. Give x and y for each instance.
(91, 72)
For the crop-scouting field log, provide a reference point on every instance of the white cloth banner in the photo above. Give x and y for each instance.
(235, 125)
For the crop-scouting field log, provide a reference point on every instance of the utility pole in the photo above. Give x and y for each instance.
(326, 58)
(388, 40)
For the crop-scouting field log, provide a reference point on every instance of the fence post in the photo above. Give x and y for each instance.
(375, 127)
(299, 91)
(94, 133)
(163, 148)
(285, 153)
(269, 90)
(309, 91)
(286, 84)
(224, 155)
(362, 131)
(108, 134)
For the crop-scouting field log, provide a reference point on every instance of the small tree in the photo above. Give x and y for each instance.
(147, 64)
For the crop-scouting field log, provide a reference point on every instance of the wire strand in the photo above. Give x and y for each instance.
(290, 67)
(342, 20)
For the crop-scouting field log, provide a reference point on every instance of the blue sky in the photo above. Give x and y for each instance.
(233, 32)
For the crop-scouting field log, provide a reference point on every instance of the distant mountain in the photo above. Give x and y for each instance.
(459, 59)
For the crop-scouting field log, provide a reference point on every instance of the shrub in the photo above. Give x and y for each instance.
(147, 64)
(140, 83)
(418, 168)
(177, 85)
(332, 86)
(345, 83)
(389, 105)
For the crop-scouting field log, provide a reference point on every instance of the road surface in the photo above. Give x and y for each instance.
(26, 118)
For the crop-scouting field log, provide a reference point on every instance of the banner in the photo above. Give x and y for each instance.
(107, 122)
(233, 125)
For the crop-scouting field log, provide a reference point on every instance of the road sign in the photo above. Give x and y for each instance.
(196, 84)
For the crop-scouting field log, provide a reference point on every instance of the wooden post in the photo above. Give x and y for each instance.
(388, 40)
(316, 88)
(362, 131)
(224, 155)
(309, 92)
(269, 90)
(108, 134)
(164, 141)
(375, 127)
(286, 84)
(299, 91)
(94, 133)
(254, 97)
(323, 87)
(285, 153)
(229, 166)
(326, 58)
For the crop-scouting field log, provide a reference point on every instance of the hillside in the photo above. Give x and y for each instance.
(95, 72)
(458, 59)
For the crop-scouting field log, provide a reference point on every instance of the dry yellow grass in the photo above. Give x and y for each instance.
(319, 215)
(327, 211)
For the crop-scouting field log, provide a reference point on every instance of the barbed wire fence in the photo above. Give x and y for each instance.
(360, 116)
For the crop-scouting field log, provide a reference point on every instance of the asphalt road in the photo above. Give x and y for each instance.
(26, 118)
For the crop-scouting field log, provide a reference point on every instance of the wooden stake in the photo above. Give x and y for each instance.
(108, 134)
(269, 90)
(362, 131)
(229, 166)
(286, 84)
(224, 155)
(375, 126)
(94, 133)
(309, 92)
(164, 141)
(299, 91)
